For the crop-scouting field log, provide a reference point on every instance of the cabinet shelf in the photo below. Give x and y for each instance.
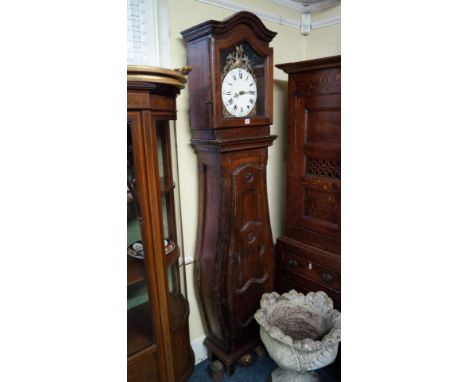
(135, 271)
(139, 330)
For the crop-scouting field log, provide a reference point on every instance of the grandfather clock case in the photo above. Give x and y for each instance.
(231, 94)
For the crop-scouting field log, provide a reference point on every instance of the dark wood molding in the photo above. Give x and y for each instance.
(219, 28)
(304, 66)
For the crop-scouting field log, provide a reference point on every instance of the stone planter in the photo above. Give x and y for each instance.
(301, 333)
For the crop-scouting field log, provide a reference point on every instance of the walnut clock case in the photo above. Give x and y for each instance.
(231, 93)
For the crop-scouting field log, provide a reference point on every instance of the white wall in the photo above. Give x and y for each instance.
(289, 46)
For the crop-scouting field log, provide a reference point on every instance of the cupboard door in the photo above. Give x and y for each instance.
(316, 193)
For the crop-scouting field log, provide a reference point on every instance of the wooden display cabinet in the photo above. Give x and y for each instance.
(309, 253)
(158, 344)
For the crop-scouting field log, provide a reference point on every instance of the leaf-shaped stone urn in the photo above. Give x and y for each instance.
(301, 333)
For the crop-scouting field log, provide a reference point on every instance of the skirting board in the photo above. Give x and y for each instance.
(200, 350)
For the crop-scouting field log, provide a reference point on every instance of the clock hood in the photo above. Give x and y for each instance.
(214, 28)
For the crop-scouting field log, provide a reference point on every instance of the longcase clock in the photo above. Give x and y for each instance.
(231, 93)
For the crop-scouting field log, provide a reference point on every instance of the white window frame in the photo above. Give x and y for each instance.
(143, 31)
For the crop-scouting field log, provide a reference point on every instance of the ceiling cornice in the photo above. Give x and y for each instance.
(267, 16)
(317, 6)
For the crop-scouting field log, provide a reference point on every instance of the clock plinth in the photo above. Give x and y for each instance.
(234, 256)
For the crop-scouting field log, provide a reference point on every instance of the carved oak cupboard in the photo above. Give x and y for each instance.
(231, 93)
(309, 253)
(158, 344)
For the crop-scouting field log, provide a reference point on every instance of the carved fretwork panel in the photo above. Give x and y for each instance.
(248, 267)
(323, 167)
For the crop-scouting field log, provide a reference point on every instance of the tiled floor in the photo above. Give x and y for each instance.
(259, 372)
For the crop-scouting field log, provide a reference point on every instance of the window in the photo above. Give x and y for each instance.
(142, 33)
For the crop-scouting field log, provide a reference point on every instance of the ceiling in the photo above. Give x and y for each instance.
(306, 6)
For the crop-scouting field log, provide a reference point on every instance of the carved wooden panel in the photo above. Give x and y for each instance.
(317, 207)
(248, 266)
(322, 205)
(317, 171)
(320, 82)
(323, 167)
(323, 124)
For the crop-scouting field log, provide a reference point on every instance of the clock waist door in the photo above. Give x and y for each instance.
(250, 257)
(231, 283)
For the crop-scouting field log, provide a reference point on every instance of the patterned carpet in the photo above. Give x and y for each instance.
(259, 372)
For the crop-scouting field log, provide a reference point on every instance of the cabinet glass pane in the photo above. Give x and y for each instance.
(165, 216)
(139, 328)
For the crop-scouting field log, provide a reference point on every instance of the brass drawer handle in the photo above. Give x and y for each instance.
(328, 277)
(293, 263)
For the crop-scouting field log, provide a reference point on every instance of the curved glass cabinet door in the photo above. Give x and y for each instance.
(158, 342)
(139, 327)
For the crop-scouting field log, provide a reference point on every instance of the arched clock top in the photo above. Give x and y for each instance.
(220, 28)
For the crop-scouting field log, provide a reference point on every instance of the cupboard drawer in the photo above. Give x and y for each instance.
(290, 281)
(311, 270)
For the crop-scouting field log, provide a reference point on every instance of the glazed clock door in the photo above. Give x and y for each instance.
(242, 80)
(243, 88)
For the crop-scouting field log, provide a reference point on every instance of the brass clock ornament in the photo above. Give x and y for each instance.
(231, 108)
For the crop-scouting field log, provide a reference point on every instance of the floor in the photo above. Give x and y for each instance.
(259, 372)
